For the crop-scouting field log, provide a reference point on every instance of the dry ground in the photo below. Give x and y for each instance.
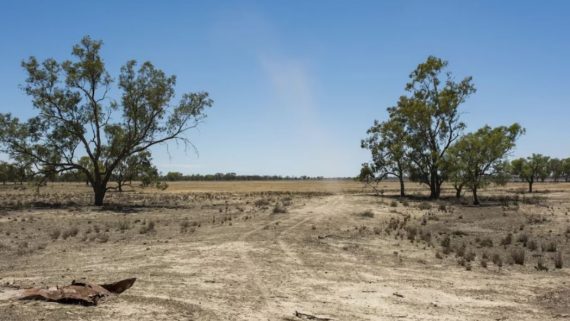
(263, 250)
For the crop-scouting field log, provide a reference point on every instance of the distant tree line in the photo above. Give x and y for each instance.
(139, 168)
(177, 176)
(423, 141)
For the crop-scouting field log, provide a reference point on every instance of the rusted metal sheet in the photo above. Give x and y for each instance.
(78, 292)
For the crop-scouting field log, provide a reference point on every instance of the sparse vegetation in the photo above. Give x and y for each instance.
(279, 209)
(366, 214)
(54, 235)
(147, 228)
(424, 206)
(558, 261)
(518, 256)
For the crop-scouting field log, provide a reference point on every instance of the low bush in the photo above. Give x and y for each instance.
(366, 214)
(72, 232)
(532, 245)
(279, 209)
(518, 256)
(558, 261)
(148, 228)
(507, 240)
(54, 235)
(549, 247)
(424, 206)
(497, 260)
(486, 242)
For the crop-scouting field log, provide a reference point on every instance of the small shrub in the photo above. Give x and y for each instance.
(279, 209)
(549, 247)
(426, 236)
(486, 242)
(532, 245)
(469, 256)
(287, 201)
(523, 238)
(424, 206)
(497, 260)
(261, 202)
(184, 226)
(534, 200)
(122, 226)
(518, 256)
(161, 185)
(102, 238)
(540, 265)
(148, 228)
(438, 255)
(446, 242)
(483, 263)
(558, 262)
(367, 214)
(393, 204)
(411, 233)
(73, 231)
(406, 203)
(54, 235)
(442, 207)
(460, 251)
(507, 240)
(459, 233)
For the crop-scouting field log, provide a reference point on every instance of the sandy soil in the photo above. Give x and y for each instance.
(229, 257)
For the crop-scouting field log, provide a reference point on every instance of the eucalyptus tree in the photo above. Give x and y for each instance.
(77, 117)
(431, 119)
(566, 169)
(135, 167)
(530, 169)
(556, 169)
(479, 158)
(7, 172)
(387, 144)
(369, 177)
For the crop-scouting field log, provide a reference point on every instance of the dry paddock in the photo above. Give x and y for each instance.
(265, 250)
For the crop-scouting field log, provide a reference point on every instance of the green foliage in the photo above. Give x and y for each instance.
(386, 142)
(136, 167)
(478, 158)
(173, 176)
(76, 117)
(556, 169)
(531, 169)
(430, 118)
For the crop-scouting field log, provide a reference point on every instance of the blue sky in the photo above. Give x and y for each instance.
(297, 83)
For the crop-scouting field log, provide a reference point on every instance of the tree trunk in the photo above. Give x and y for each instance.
(475, 197)
(435, 185)
(530, 187)
(119, 186)
(458, 190)
(100, 191)
(402, 191)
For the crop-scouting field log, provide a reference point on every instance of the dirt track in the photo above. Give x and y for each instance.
(316, 259)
